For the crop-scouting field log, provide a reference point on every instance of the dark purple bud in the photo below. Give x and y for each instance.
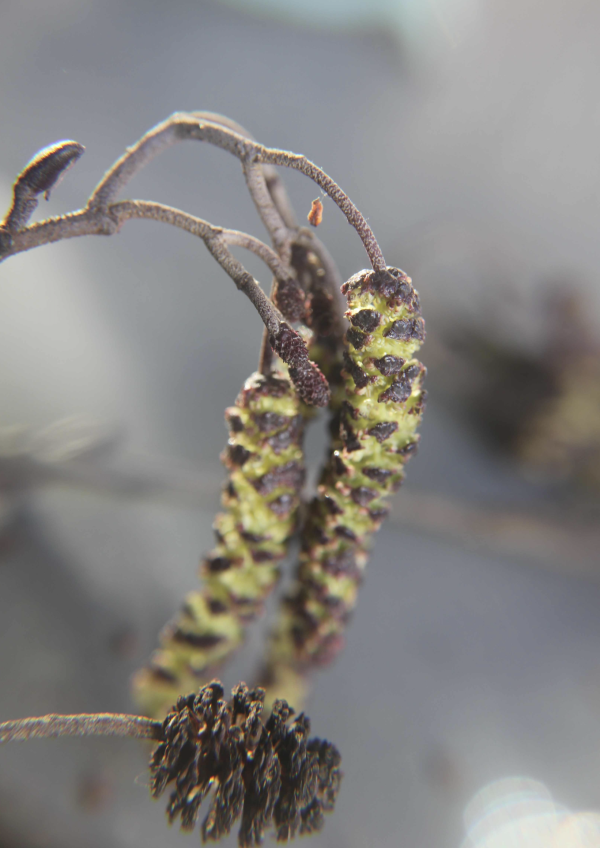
(238, 454)
(362, 495)
(398, 392)
(389, 365)
(217, 564)
(360, 377)
(356, 338)
(196, 640)
(290, 299)
(332, 506)
(345, 533)
(379, 475)
(312, 386)
(383, 431)
(366, 320)
(268, 422)
(406, 329)
(290, 475)
(409, 449)
(47, 167)
(282, 505)
(235, 422)
(39, 176)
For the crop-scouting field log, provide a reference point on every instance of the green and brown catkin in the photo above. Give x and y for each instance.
(383, 404)
(266, 472)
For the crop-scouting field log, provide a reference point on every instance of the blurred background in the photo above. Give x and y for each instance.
(468, 134)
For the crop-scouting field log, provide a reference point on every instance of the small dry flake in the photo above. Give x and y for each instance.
(315, 216)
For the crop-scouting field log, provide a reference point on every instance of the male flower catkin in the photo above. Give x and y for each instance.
(269, 774)
(266, 472)
(384, 400)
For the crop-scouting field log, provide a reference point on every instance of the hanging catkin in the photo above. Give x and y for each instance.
(383, 403)
(266, 472)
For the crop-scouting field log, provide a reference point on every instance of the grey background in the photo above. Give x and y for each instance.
(469, 136)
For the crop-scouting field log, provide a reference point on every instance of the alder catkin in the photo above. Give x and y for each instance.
(383, 404)
(261, 497)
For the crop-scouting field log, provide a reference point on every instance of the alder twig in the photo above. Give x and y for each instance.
(86, 724)
(182, 126)
(124, 210)
(268, 212)
(275, 210)
(273, 181)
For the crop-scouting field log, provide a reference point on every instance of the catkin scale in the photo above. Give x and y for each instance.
(266, 472)
(378, 419)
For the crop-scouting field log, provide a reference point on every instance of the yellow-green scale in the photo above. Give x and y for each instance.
(372, 454)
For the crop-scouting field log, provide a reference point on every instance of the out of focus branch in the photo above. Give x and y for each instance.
(555, 542)
(79, 454)
(86, 724)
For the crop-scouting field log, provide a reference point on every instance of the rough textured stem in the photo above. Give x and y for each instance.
(311, 383)
(377, 434)
(86, 222)
(252, 151)
(90, 724)
(125, 210)
(182, 126)
(269, 214)
(273, 181)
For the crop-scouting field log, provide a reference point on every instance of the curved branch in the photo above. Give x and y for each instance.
(86, 724)
(275, 185)
(181, 126)
(246, 149)
(268, 212)
(310, 382)
(124, 210)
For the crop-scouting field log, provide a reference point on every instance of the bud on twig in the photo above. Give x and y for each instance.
(39, 176)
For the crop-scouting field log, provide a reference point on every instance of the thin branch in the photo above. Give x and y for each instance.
(248, 150)
(263, 183)
(275, 210)
(309, 381)
(268, 212)
(86, 222)
(265, 356)
(280, 197)
(127, 209)
(93, 222)
(274, 182)
(181, 126)
(87, 724)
